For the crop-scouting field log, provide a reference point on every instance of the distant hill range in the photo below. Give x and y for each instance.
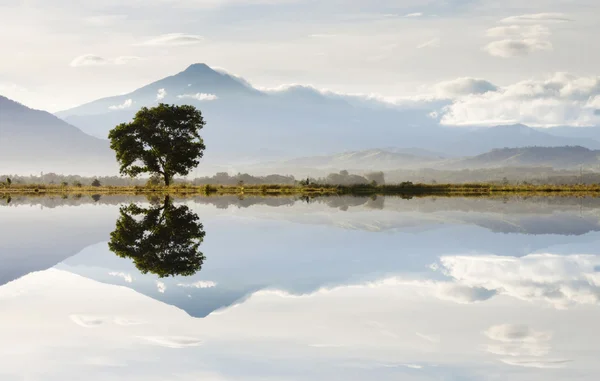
(33, 141)
(567, 157)
(293, 127)
(245, 123)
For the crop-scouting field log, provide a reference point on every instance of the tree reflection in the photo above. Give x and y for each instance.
(163, 240)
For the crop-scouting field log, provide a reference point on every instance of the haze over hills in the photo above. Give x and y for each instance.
(283, 131)
(32, 141)
(569, 157)
(244, 122)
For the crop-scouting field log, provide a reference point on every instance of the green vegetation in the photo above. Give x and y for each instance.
(162, 140)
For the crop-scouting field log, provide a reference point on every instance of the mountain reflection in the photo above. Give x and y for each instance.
(163, 240)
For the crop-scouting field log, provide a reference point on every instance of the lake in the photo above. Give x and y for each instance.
(336, 288)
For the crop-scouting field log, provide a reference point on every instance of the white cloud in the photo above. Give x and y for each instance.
(537, 18)
(562, 99)
(126, 277)
(463, 86)
(161, 94)
(536, 363)
(558, 280)
(87, 321)
(416, 14)
(126, 104)
(511, 333)
(462, 294)
(433, 43)
(519, 40)
(94, 60)
(531, 31)
(199, 96)
(520, 345)
(514, 47)
(88, 60)
(161, 287)
(199, 284)
(174, 39)
(172, 341)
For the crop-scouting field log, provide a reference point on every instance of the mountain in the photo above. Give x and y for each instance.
(374, 159)
(565, 157)
(555, 157)
(574, 132)
(246, 125)
(478, 141)
(195, 80)
(244, 122)
(32, 141)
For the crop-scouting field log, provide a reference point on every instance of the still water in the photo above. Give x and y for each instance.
(221, 288)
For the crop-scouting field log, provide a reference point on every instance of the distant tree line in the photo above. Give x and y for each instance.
(221, 178)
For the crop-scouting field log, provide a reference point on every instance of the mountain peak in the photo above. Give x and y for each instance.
(198, 68)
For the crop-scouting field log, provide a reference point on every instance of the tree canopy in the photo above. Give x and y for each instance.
(162, 140)
(163, 239)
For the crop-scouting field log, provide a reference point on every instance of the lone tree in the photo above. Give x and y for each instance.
(163, 140)
(163, 240)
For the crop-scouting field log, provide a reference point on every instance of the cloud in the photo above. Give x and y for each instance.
(463, 86)
(511, 333)
(87, 321)
(531, 31)
(126, 277)
(161, 287)
(433, 43)
(199, 284)
(536, 18)
(94, 60)
(537, 363)
(416, 14)
(520, 345)
(519, 40)
(199, 97)
(126, 104)
(513, 48)
(462, 294)
(562, 99)
(558, 280)
(161, 94)
(174, 39)
(175, 342)
(88, 60)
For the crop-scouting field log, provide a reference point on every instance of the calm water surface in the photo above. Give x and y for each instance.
(285, 289)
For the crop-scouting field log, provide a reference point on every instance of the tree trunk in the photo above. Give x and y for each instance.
(167, 180)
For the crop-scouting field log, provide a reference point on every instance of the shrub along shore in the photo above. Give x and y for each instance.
(403, 189)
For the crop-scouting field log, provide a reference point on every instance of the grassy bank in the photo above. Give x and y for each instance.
(406, 189)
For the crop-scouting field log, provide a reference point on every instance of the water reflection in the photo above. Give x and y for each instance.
(163, 239)
(382, 288)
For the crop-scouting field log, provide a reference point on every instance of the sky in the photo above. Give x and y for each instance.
(477, 52)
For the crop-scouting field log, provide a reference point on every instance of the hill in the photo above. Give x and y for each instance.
(32, 141)
(373, 159)
(478, 141)
(555, 157)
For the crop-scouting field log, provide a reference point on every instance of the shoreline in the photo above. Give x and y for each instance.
(416, 190)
